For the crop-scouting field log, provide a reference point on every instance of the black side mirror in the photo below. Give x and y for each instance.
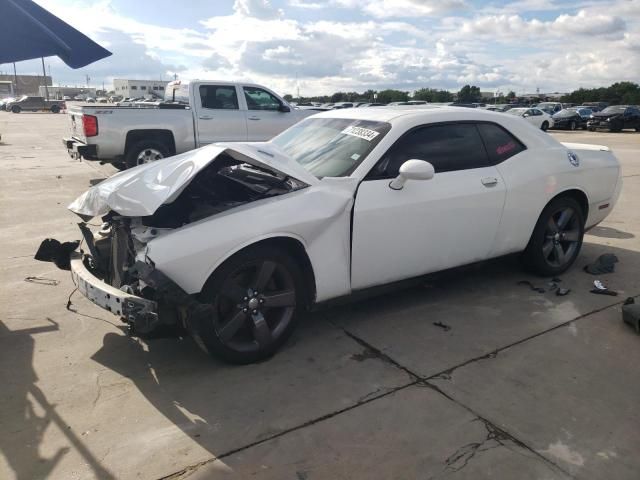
(284, 108)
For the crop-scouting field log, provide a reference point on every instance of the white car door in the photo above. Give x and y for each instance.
(218, 115)
(428, 225)
(532, 117)
(266, 115)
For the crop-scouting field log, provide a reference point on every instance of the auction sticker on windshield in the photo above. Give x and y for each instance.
(360, 132)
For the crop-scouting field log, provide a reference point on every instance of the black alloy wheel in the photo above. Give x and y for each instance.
(562, 237)
(254, 296)
(557, 238)
(544, 126)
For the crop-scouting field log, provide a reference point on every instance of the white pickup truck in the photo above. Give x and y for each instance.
(193, 114)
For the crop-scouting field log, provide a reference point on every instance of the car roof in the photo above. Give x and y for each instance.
(390, 113)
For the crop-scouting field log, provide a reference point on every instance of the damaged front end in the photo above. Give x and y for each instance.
(112, 268)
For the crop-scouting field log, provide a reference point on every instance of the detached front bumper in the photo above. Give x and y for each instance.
(76, 149)
(134, 309)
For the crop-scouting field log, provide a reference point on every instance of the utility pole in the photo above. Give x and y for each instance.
(15, 78)
(44, 77)
(175, 76)
(88, 79)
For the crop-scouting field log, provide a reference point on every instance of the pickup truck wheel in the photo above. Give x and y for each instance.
(254, 296)
(16, 109)
(556, 239)
(145, 152)
(55, 109)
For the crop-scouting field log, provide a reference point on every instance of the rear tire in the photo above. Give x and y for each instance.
(55, 109)
(145, 151)
(573, 125)
(556, 239)
(545, 126)
(255, 297)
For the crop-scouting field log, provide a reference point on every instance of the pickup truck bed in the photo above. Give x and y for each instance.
(202, 113)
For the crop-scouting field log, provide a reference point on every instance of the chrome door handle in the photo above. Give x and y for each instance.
(205, 117)
(254, 118)
(489, 181)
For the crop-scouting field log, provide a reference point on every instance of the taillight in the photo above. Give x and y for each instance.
(90, 125)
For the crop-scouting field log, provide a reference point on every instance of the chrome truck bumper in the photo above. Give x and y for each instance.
(77, 149)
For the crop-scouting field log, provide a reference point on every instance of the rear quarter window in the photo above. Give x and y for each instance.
(501, 145)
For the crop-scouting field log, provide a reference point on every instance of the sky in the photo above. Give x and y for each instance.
(317, 47)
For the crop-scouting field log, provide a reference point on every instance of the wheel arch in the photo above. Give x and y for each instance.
(291, 245)
(578, 195)
(154, 135)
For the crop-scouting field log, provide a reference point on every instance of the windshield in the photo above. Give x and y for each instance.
(516, 111)
(331, 147)
(614, 110)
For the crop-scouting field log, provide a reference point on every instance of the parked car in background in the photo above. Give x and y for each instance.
(616, 118)
(5, 101)
(90, 100)
(66, 97)
(102, 100)
(233, 241)
(572, 118)
(534, 116)
(373, 104)
(194, 114)
(34, 104)
(596, 106)
(550, 107)
(79, 98)
(343, 105)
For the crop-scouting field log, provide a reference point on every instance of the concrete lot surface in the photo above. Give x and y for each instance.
(514, 384)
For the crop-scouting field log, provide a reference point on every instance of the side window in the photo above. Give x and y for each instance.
(500, 143)
(447, 147)
(259, 99)
(219, 97)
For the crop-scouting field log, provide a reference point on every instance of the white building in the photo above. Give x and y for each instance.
(139, 88)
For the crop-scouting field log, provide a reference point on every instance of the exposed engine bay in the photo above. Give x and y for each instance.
(224, 184)
(112, 253)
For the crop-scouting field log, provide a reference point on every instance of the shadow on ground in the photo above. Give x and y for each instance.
(322, 371)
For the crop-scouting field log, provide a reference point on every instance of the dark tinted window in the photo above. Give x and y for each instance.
(219, 97)
(500, 143)
(447, 147)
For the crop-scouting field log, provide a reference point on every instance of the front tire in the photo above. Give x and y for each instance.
(16, 109)
(556, 239)
(145, 151)
(545, 126)
(254, 296)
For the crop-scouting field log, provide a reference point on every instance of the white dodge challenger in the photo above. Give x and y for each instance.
(232, 240)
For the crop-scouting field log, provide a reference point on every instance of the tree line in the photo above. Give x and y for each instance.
(620, 93)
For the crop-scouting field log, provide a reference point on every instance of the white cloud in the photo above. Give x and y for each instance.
(378, 44)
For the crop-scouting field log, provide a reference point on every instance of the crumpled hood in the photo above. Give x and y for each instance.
(140, 191)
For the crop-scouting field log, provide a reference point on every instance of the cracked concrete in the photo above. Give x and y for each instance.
(522, 385)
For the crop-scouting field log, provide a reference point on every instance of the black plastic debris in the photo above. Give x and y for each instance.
(561, 292)
(604, 264)
(601, 289)
(631, 314)
(443, 326)
(51, 250)
(531, 286)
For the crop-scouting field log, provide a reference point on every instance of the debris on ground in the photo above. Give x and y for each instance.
(532, 286)
(443, 326)
(604, 264)
(42, 281)
(51, 250)
(561, 292)
(631, 313)
(601, 289)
